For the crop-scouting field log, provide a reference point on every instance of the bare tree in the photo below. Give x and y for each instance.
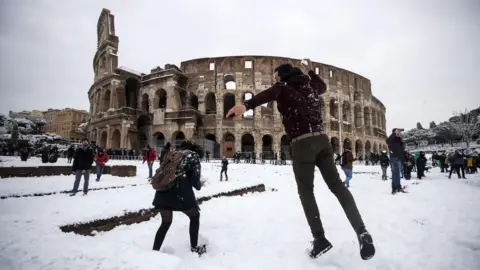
(466, 124)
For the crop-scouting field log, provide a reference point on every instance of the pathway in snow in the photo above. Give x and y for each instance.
(435, 226)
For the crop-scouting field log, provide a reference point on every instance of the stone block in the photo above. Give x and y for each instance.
(117, 170)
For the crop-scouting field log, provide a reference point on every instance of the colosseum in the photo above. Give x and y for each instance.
(130, 109)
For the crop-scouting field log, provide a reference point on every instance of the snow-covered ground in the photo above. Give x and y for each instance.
(434, 226)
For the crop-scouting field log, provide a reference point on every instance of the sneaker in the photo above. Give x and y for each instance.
(85, 193)
(73, 194)
(199, 249)
(367, 250)
(394, 191)
(319, 247)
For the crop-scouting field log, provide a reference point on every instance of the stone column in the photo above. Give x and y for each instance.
(113, 94)
(108, 144)
(98, 137)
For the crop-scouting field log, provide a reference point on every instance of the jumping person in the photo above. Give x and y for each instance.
(298, 99)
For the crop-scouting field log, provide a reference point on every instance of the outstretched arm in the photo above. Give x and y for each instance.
(271, 94)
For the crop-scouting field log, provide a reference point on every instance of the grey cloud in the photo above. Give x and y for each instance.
(421, 56)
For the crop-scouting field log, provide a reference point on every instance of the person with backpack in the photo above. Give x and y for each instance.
(82, 164)
(174, 181)
(224, 169)
(101, 158)
(298, 99)
(149, 156)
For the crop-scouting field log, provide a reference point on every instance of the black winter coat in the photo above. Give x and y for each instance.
(163, 153)
(224, 164)
(384, 160)
(83, 159)
(181, 197)
(396, 147)
(421, 162)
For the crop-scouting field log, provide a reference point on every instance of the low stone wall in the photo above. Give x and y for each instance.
(117, 170)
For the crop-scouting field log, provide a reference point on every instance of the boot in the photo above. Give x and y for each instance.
(319, 247)
(200, 250)
(367, 249)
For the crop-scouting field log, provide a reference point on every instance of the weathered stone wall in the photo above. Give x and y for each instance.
(121, 170)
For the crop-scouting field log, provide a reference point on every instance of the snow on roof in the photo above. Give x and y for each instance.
(130, 70)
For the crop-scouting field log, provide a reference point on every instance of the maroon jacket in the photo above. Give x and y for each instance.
(298, 100)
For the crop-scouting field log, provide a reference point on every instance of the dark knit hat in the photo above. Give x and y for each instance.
(285, 71)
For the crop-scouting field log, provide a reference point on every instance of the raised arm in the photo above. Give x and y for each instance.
(317, 83)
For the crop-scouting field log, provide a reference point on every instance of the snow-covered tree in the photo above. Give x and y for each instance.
(419, 125)
(466, 124)
(447, 132)
(415, 136)
(432, 124)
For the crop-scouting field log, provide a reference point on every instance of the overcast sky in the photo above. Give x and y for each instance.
(423, 57)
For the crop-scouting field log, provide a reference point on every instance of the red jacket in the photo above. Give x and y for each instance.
(101, 160)
(150, 156)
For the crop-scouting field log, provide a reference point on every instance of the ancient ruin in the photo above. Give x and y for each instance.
(130, 109)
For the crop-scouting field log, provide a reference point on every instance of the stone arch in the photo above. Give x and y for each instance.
(247, 96)
(375, 148)
(210, 103)
(267, 143)
(248, 143)
(357, 96)
(368, 147)
(160, 99)
(358, 148)
(228, 145)
(335, 145)
(194, 101)
(358, 116)
(230, 82)
(374, 117)
(116, 139)
(132, 87)
(145, 103)
(159, 141)
(103, 139)
(106, 100)
(213, 147)
(228, 103)
(178, 137)
(334, 108)
(143, 129)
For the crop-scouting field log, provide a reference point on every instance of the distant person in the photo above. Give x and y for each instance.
(298, 100)
(224, 169)
(101, 158)
(421, 165)
(164, 151)
(397, 157)
(149, 156)
(82, 164)
(346, 163)
(384, 163)
(70, 152)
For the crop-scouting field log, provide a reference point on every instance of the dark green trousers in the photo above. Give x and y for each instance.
(317, 151)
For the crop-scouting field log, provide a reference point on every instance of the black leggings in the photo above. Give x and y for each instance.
(167, 216)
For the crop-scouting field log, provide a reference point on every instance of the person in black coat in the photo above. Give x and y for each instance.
(70, 152)
(384, 163)
(421, 165)
(181, 197)
(82, 164)
(164, 151)
(224, 169)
